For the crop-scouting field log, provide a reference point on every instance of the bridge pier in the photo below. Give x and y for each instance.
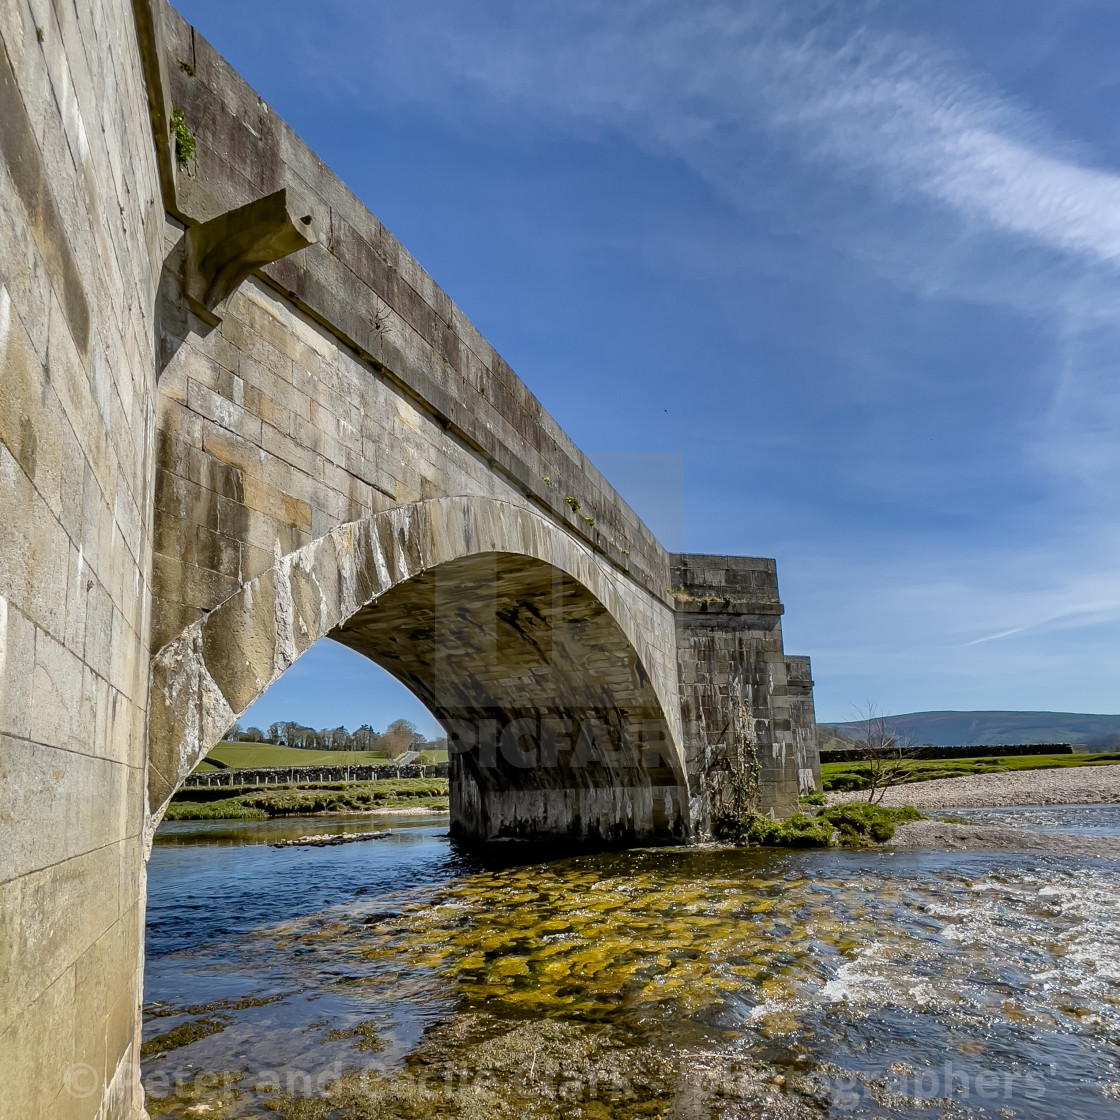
(745, 704)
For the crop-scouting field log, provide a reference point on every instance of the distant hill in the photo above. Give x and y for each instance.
(947, 729)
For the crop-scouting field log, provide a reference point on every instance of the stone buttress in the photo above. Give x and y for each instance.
(745, 705)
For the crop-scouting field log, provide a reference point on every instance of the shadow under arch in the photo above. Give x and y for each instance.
(554, 676)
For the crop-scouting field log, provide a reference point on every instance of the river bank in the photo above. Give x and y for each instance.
(1090, 785)
(407, 795)
(953, 836)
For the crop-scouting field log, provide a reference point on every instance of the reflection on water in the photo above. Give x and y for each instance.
(397, 978)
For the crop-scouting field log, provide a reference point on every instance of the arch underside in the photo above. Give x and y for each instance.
(553, 725)
(555, 680)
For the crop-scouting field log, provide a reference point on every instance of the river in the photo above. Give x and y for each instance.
(400, 978)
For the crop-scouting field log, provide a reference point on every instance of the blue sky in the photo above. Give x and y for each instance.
(841, 278)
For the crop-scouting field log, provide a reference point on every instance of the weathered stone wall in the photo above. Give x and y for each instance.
(803, 720)
(271, 434)
(737, 707)
(341, 385)
(338, 387)
(81, 225)
(374, 584)
(391, 319)
(336, 452)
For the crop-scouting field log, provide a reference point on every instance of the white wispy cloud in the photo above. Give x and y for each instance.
(717, 85)
(1005, 213)
(1016, 630)
(698, 81)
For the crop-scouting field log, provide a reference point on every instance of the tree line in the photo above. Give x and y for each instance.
(400, 737)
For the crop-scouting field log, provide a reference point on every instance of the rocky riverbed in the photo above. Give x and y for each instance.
(951, 836)
(409, 980)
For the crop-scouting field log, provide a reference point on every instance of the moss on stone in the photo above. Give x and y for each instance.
(798, 831)
(851, 825)
(859, 821)
(185, 142)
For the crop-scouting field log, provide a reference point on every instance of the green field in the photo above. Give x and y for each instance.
(352, 797)
(257, 756)
(852, 775)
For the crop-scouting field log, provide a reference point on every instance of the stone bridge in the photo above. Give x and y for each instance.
(237, 417)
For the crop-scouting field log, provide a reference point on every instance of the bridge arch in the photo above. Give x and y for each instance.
(543, 665)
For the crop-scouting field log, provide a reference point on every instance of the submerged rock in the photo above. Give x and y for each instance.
(329, 839)
(478, 1067)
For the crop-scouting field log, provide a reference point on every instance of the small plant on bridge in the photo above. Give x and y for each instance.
(573, 502)
(184, 139)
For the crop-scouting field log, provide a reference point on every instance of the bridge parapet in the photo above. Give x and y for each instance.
(365, 288)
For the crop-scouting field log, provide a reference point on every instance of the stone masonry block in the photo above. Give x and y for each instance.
(63, 908)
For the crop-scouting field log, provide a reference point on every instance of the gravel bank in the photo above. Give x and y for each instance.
(1075, 785)
(963, 837)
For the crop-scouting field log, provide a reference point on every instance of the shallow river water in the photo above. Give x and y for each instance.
(399, 978)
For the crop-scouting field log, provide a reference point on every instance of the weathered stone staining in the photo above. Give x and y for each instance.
(236, 417)
(744, 702)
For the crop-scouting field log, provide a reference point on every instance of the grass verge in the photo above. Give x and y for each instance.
(257, 756)
(352, 797)
(843, 776)
(261, 756)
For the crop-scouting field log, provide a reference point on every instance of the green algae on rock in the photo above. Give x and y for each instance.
(216, 1094)
(479, 1067)
(367, 1036)
(182, 1035)
(739, 983)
